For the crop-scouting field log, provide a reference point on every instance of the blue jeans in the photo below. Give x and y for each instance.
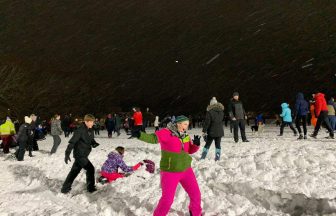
(332, 120)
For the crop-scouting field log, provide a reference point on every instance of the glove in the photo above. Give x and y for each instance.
(136, 133)
(95, 145)
(197, 140)
(67, 159)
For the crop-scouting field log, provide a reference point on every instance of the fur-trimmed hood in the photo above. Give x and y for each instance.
(216, 107)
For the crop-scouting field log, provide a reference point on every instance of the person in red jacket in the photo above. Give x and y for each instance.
(138, 120)
(321, 112)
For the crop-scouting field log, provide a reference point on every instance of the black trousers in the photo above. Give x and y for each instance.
(57, 142)
(239, 123)
(209, 142)
(79, 164)
(35, 145)
(284, 124)
(97, 131)
(138, 128)
(323, 117)
(22, 149)
(109, 132)
(302, 119)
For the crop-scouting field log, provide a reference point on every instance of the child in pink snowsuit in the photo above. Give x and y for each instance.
(175, 165)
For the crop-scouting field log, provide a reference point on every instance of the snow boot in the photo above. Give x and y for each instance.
(313, 135)
(300, 137)
(218, 154)
(65, 190)
(305, 137)
(102, 180)
(91, 190)
(246, 140)
(204, 153)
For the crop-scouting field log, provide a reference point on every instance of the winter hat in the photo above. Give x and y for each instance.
(89, 117)
(235, 94)
(213, 101)
(181, 118)
(28, 120)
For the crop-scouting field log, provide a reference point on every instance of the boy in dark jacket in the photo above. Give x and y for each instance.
(213, 128)
(300, 114)
(82, 143)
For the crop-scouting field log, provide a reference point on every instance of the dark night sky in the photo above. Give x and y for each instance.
(90, 56)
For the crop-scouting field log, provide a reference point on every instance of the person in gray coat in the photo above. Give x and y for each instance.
(238, 117)
(213, 127)
(56, 131)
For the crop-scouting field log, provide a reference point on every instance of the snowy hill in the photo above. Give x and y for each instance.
(269, 176)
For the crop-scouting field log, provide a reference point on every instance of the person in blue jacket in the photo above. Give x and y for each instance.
(287, 119)
(300, 114)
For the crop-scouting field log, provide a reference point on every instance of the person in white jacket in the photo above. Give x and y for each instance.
(156, 123)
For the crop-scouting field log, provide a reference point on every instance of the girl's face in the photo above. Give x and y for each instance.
(58, 117)
(182, 126)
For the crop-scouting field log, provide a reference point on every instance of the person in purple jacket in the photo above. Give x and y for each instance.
(115, 161)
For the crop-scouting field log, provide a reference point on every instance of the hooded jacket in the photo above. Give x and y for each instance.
(114, 162)
(214, 117)
(286, 113)
(7, 128)
(320, 104)
(301, 105)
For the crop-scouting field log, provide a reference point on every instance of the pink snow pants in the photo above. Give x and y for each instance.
(169, 182)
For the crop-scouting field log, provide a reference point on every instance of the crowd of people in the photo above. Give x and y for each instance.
(171, 133)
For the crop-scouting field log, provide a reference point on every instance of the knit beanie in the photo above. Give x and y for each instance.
(181, 118)
(213, 101)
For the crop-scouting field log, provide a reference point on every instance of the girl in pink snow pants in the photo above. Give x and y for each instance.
(175, 165)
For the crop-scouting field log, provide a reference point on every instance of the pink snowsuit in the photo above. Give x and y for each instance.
(170, 180)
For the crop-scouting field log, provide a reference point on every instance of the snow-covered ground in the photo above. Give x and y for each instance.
(271, 175)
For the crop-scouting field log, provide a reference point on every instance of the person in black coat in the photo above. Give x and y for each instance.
(25, 139)
(109, 124)
(81, 143)
(34, 125)
(66, 125)
(238, 117)
(213, 128)
(300, 114)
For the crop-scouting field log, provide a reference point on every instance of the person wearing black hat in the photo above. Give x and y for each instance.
(238, 116)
